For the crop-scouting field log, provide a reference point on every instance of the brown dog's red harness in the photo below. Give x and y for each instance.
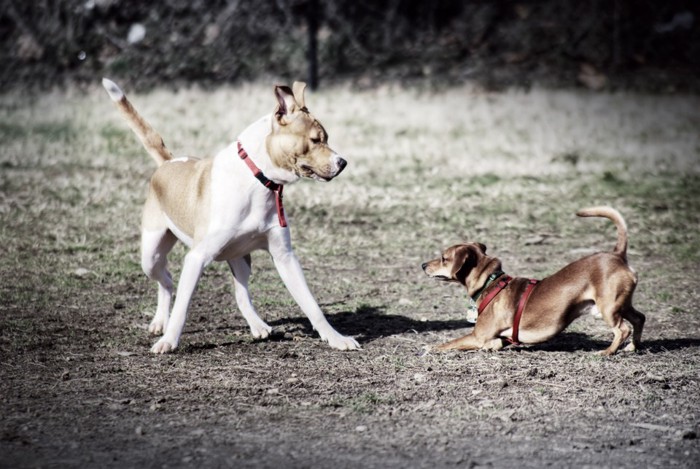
(521, 306)
(503, 283)
(273, 186)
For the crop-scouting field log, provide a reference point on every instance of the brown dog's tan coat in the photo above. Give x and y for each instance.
(602, 283)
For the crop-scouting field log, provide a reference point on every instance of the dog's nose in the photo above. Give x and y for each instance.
(341, 164)
(425, 265)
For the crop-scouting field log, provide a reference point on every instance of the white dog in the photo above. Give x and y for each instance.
(225, 207)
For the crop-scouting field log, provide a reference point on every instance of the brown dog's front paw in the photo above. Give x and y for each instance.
(442, 348)
(468, 342)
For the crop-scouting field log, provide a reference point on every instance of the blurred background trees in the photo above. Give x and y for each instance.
(599, 44)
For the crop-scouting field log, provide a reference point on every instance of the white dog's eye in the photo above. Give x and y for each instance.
(315, 141)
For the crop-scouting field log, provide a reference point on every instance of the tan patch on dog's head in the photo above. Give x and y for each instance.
(456, 262)
(298, 142)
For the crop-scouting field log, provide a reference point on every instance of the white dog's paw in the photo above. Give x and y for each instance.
(156, 327)
(163, 346)
(260, 330)
(341, 342)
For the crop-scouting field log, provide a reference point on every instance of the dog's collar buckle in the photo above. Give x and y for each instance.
(489, 280)
(271, 185)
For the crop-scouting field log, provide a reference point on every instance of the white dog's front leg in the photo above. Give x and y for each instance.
(290, 271)
(241, 272)
(192, 268)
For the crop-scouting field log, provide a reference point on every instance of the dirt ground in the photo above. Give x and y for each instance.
(79, 387)
(224, 400)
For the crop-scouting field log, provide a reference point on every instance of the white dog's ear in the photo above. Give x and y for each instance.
(299, 87)
(286, 104)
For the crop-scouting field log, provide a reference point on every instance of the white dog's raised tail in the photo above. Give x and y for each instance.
(150, 139)
(113, 89)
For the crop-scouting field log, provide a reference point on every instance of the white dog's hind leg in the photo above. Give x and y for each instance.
(155, 246)
(293, 277)
(240, 268)
(192, 268)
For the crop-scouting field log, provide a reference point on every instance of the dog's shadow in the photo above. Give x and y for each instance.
(580, 342)
(570, 342)
(366, 324)
(369, 323)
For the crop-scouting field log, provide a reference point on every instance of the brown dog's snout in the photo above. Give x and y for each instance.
(425, 265)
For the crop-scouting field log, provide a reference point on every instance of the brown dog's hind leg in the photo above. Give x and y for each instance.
(613, 317)
(621, 331)
(637, 320)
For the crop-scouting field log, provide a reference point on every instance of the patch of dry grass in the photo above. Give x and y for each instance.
(426, 170)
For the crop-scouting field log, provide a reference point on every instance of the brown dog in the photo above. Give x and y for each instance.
(599, 284)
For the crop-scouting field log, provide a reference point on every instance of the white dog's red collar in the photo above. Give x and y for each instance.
(273, 186)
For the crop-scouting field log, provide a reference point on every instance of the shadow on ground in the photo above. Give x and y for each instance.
(366, 324)
(369, 323)
(577, 341)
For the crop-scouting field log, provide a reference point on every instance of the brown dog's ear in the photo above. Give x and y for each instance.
(463, 263)
(286, 104)
(298, 87)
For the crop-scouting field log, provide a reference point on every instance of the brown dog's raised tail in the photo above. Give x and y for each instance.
(148, 136)
(614, 215)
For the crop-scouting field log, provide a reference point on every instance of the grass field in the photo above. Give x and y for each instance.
(79, 387)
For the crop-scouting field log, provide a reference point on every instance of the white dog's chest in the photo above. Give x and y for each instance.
(241, 246)
(240, 212)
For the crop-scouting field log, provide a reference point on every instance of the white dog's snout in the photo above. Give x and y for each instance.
(339, 163)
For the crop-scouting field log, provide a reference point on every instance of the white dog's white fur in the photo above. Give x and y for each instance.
(223, 213)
